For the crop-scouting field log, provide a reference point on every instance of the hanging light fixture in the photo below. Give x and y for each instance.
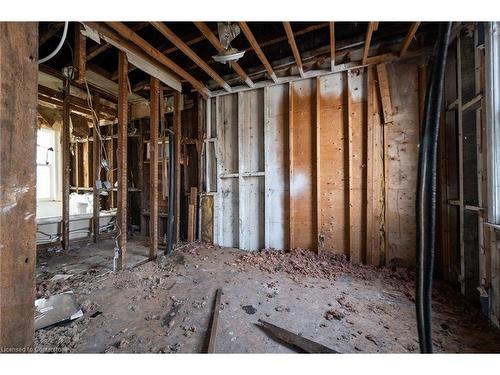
(227, 32)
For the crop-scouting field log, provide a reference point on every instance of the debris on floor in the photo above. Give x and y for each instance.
(59, 308)
(172, 310)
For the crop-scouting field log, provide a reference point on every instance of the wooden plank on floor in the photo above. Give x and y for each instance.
(214, 322)
(121, 262)
(18, 108)
(153, 167)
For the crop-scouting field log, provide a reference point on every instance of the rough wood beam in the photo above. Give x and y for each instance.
(65, 134)
(165, 51)
(18, 108)
(205, 30)
(372, 26)
(96, 164)
(332, 45)
(170, 35)
(291, 205)
(121, 262)
(100, 48)
(127, 33)
(409, 38)
(293, 45)
(178, 135)
(80, 51)
(255, 45)
(153, 167)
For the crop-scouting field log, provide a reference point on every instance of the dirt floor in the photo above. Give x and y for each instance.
(165, 306)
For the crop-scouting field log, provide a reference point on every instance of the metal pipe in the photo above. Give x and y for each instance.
(426, 190)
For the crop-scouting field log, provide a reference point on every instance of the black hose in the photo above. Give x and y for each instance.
(426, 190)
(171, 194)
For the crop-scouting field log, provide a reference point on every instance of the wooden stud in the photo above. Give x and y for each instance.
(205, 30)
(372, 26)
(291, 242)
(178, 137)
(170, 35)
(80, 50)
(349, 162)
(66, 134)
(460, 167)
(293, 46)
(96, 162)
(153, 167)
(192, 208)
(18, 109)
(127, 33)
(332, 45)
(409, 37)
(385, 94)
(121, 263)
(255, 45)
(110, 153)
(317, 169)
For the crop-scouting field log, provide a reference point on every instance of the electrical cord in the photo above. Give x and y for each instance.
(59, 46)
(426, 190)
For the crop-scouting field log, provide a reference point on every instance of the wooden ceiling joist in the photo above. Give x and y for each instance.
(130, 35)
(293, 46)
(97, 50)
(170, 35)
(140, 58)
(372, 26)
(409, 37)
(332, 45)
(205, 30)
(255, 45)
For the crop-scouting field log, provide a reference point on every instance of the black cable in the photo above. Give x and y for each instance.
(426, 190)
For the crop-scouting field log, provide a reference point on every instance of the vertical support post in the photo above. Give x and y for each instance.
(291, 242)
(460, 167)
(332, 46)
(267, 174)
(178, 136)
(317, 170)
(80, 48)
(349, 163)
(18, 111)
(121, 257)
(66, 160)
(153, 170)
(110, 153)
(96, 163)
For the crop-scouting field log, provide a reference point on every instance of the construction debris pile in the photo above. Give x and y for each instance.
(300, 263)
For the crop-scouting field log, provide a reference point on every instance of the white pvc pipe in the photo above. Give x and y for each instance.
(59, 46)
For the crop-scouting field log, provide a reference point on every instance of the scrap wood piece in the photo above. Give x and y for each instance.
(385, 94)
(294, 339)
(214, 322)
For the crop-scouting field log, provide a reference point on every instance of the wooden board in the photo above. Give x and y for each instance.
(357, 164)
(333, 172)
(301, 183)
(18, 109)
(276, 166)
(401, 155)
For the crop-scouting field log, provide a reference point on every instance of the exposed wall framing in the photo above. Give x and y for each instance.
(303, 164)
